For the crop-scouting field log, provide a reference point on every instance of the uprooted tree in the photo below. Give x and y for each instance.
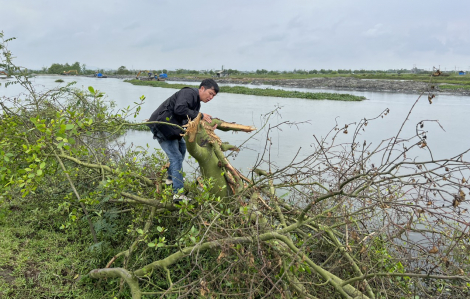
(351, 220)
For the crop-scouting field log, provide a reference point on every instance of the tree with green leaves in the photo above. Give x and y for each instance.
(57, 68)
(122, 70)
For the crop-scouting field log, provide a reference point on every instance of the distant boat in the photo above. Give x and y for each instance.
(100, 75)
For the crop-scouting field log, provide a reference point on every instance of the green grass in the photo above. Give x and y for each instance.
(451, 79)
(291, 94)
(37, 259)
(455, 87)
(261, 92)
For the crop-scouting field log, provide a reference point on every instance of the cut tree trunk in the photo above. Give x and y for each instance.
(207, 148)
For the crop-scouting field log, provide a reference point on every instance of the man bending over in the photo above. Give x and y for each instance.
(176, 110)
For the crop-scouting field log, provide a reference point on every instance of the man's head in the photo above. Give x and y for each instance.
(208, 90)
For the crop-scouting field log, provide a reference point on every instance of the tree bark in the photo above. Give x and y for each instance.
(206, 147)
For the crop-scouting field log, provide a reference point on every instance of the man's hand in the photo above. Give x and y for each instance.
(207, 118)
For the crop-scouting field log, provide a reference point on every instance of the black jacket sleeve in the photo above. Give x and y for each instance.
(184, 101)
(176, 110)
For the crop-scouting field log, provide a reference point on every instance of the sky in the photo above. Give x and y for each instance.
(239, 34)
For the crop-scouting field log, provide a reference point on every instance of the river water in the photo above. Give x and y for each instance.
(314, 117)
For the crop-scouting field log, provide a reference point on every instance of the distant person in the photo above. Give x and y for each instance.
(176, 110)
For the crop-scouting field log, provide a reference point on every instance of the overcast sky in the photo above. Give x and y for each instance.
(239, 34)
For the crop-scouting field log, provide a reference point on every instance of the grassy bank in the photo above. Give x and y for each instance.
(261, 92)
(443, 81)
(455, 87)
(37, 258)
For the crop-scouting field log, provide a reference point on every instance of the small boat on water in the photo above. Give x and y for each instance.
(100, 75)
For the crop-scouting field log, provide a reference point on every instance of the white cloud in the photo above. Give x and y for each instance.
(375, 31)
(270, 34)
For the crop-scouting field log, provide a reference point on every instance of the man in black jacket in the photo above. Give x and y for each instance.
(176, 110)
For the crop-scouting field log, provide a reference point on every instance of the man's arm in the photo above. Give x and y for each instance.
(183, 100)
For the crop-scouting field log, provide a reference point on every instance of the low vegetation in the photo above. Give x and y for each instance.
(454, 87)
(261, 92)
(38, 258)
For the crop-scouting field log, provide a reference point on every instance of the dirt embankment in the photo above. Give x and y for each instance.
(339, 83)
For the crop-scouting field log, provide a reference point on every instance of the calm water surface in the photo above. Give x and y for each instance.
(315, 117)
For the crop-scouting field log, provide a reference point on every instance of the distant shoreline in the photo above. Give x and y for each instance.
(340, 83)
(318, 83)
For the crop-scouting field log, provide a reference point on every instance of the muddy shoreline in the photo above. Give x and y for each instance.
(334, 83)
(341, 83)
